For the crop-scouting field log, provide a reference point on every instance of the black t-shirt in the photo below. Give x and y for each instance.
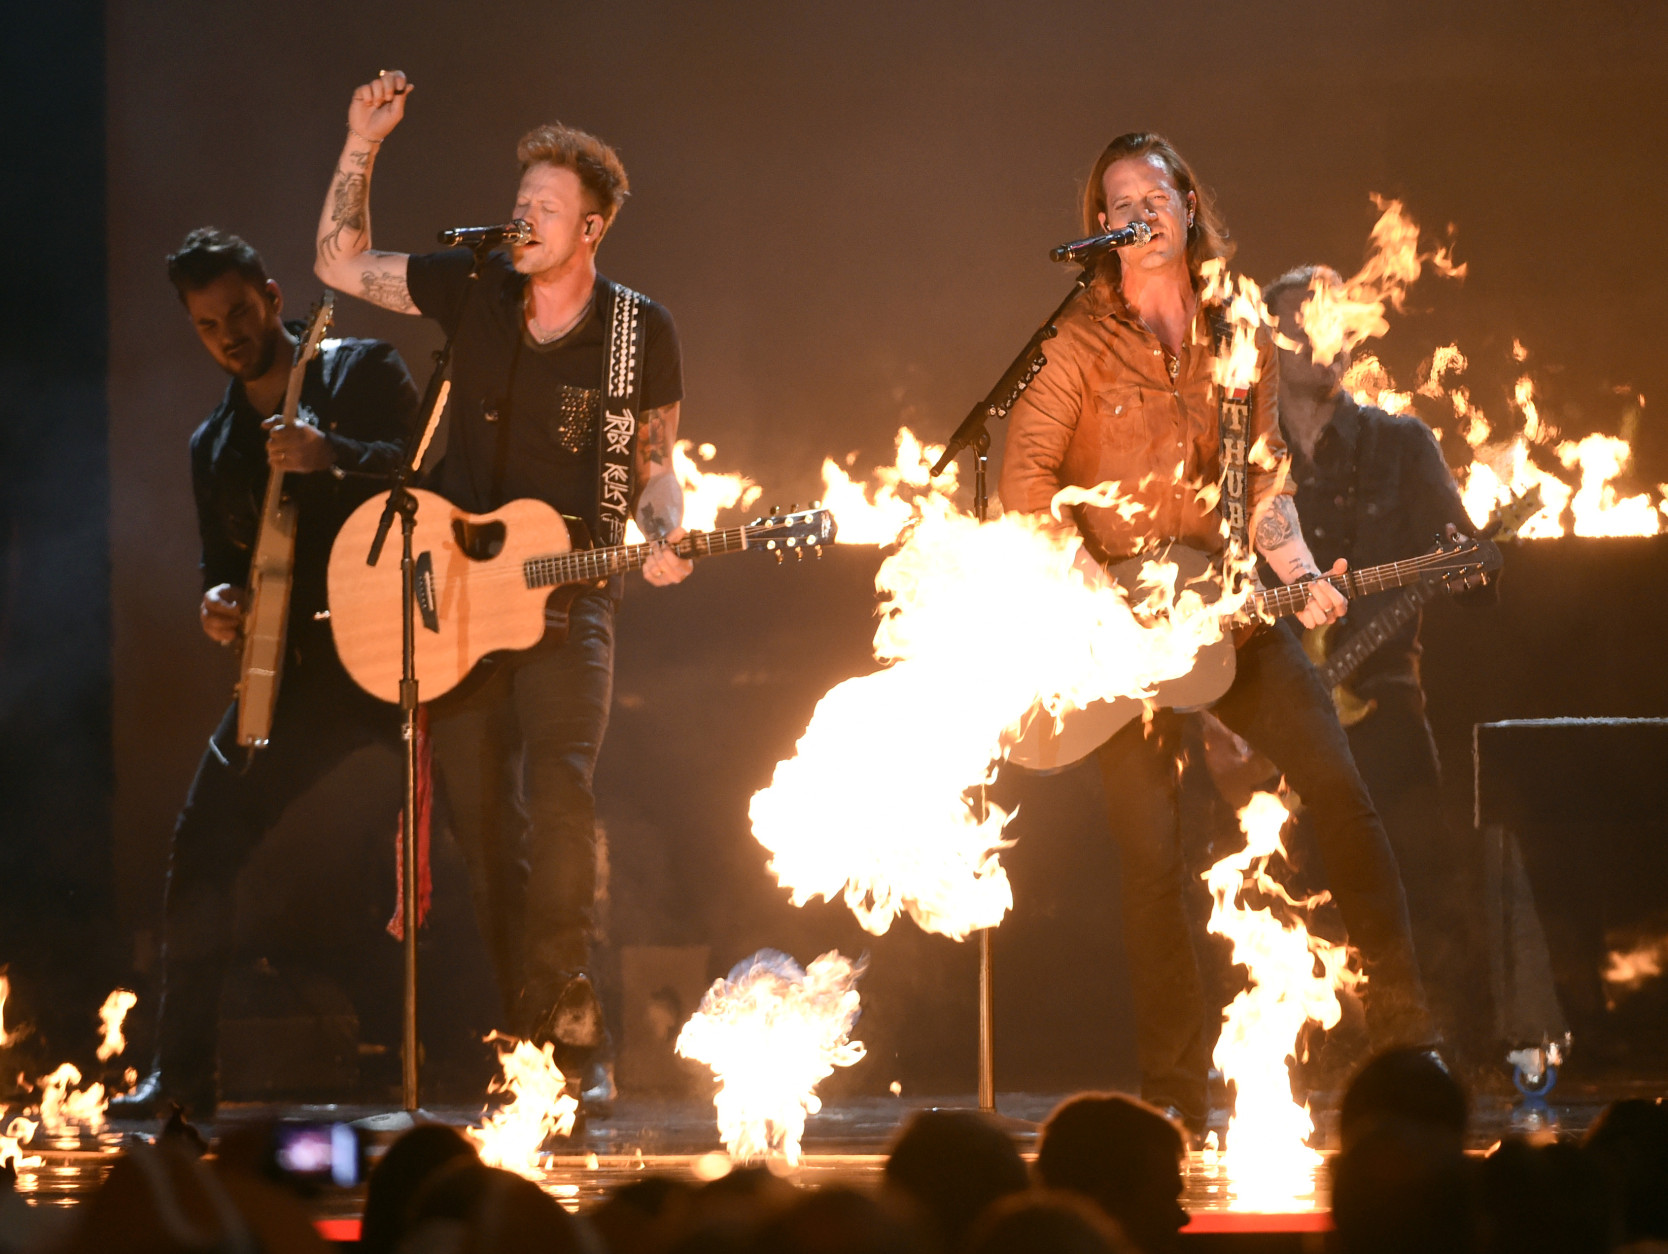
(524, 416)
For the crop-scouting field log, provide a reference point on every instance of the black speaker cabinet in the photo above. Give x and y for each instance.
(1574, 815)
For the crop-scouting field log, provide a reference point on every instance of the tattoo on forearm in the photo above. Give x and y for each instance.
(348, 198)
(1275, 529)
(388, 290)
(657, 433)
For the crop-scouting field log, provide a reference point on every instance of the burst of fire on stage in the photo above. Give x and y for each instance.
(1292, 978)
(771, 1031)
(539, 1108)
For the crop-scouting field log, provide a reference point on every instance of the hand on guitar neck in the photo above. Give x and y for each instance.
(297, 447)
(222, 613)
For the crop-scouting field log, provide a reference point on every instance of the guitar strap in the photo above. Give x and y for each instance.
(1233, 417)
(622, 397)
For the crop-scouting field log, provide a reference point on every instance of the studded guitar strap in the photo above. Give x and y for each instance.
(622, 398)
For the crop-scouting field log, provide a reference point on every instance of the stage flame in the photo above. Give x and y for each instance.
(1292, 979)
(111, 1016)
(981, 625)
(539, 1108)
(1628, 970)
(63, 1105)
(771, 1032)
(17, 1135)
(1339, 315)
(7, 1038)
(876, 512)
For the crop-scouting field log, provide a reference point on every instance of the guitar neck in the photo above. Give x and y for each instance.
(590, 565)
(1279, 602)
(1343, 663)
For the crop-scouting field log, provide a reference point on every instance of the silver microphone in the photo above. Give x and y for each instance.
(1083, 249)
(515, 232)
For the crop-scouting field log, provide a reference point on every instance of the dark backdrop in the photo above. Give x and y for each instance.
(847, 208)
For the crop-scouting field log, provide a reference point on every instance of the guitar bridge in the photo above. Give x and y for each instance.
(423, 590)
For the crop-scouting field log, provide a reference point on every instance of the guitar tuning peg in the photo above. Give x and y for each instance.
(793, 507)
(819, 552)
(780, 556)
(775, 510)
(799, 555)
(816, 504)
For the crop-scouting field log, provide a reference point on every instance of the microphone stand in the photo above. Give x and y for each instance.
(402, 504)
(974, 433)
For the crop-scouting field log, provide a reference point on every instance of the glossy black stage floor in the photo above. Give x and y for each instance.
(844, 1144)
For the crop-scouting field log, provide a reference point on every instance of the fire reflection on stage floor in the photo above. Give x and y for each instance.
(845, 1144)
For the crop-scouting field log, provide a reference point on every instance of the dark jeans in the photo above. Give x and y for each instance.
(1394, 749)
(1277, 703)
(321, 718)
(516, 749)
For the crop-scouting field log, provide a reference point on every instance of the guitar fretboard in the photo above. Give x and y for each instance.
(589, 565)
(1278, 602)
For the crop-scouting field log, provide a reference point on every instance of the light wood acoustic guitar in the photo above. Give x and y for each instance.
(483, 580)
(272, 566)
(1044, 746)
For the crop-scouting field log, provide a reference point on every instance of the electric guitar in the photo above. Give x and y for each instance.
(1335, 665)
(272, 566)
(1046, 745)
(482, 581)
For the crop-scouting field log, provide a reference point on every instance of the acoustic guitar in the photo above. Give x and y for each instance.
(1045, 744)
(272, 566)
(482, 581)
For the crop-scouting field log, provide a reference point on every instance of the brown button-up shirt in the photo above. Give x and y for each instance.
(1105, 408)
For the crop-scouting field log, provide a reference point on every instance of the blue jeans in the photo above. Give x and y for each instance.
(1278, 704)
(515, 750)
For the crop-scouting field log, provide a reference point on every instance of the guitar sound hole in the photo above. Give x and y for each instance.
(479, 541)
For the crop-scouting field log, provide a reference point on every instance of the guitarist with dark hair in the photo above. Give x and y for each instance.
(1373, 487)
(1127, 395)
(353, 401)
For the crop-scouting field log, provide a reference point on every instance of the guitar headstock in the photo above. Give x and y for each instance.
(1510, 517)
(792, 532)
(318, 326)
(1460, 561)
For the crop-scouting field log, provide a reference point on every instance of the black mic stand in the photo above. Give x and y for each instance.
(403, 504)
(974, 433)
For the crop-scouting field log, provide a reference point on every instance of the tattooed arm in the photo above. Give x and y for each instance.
(660, 500)
(1279, 538)
(345, 258)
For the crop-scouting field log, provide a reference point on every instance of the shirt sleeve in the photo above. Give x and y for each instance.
(662, 359)
(438, 281)
(222, 561)
(1040, 428)
(1268, 461)
(377, 405)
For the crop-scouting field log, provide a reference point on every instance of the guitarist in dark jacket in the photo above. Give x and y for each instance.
(1373, 487)
(357, 400)
(1127, 395)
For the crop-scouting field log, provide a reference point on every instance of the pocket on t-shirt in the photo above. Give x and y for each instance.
(574, 420)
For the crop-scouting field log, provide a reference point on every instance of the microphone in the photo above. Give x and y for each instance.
(515, 232)
(1095, 245)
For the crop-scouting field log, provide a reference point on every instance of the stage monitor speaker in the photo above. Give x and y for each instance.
(1572, 812)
